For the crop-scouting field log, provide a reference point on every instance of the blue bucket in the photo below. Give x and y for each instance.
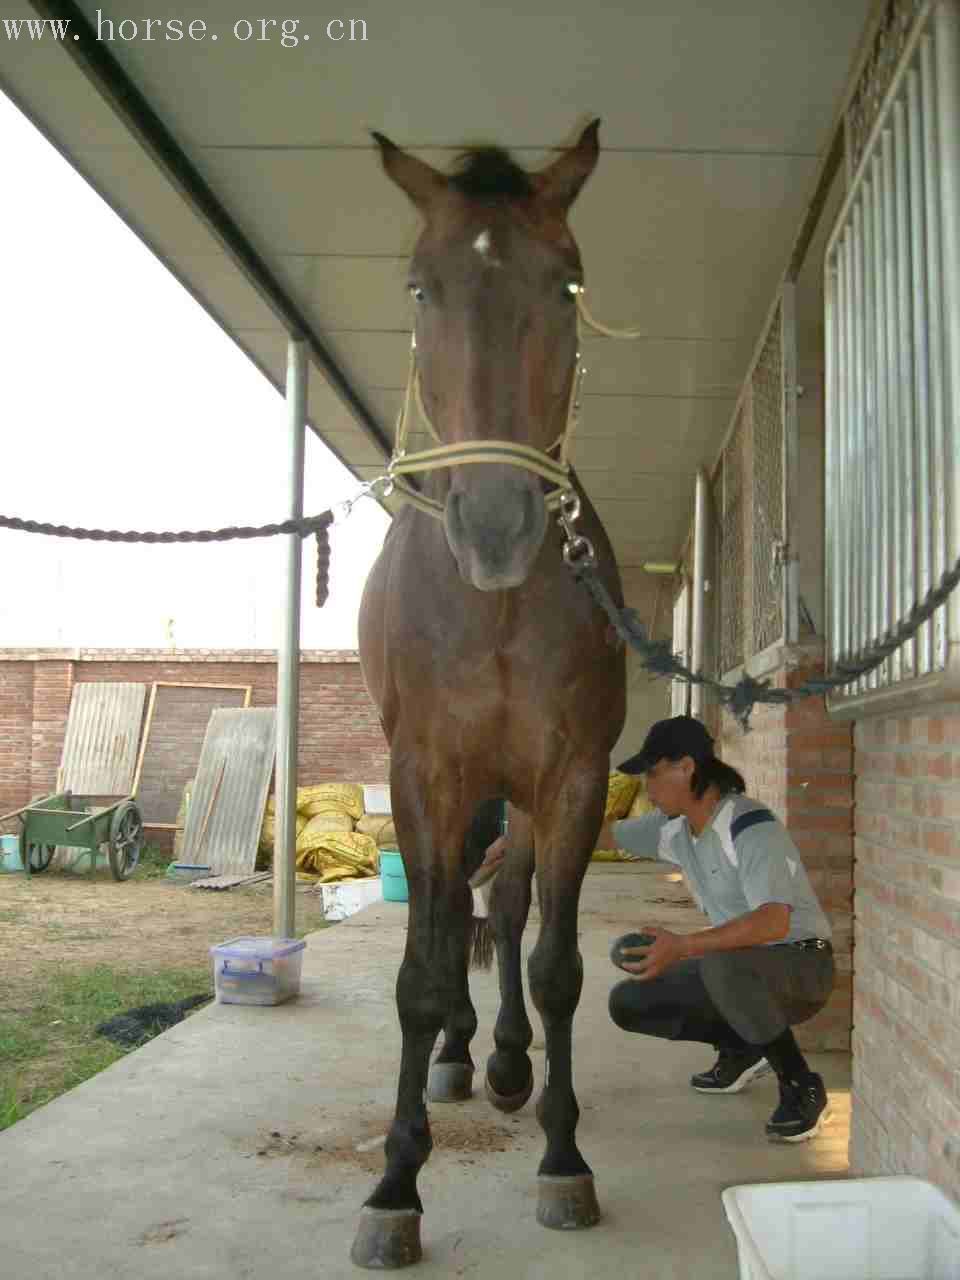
(10, 854)
(392, 876)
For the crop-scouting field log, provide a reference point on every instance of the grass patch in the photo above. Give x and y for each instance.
(10, 1111)
(152, 865)
(51, 1047)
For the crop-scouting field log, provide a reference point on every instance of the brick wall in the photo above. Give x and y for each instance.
(340, 734)
(16, 733)
(906, 1092)
(800, 762)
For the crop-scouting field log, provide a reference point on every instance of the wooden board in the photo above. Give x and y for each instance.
(233, 778)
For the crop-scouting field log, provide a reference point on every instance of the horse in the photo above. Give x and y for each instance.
(494, 673)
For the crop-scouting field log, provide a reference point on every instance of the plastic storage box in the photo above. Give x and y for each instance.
(257, 970)
(393, 876)
(10, 854)
(850, 1229)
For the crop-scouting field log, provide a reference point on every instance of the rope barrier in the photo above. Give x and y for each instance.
(305, 526)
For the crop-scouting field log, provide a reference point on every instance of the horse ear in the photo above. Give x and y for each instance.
(559, 184)
(421, 183)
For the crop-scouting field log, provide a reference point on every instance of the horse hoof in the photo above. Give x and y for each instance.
(387, 1239)
(511, 1101)
(450, 1082)
(567, 1204)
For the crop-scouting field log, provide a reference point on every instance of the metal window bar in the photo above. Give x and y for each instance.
(767, 403)
(892, 301)
(732, 567)
(680, 689)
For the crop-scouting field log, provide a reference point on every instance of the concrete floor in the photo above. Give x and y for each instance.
(242, 1143)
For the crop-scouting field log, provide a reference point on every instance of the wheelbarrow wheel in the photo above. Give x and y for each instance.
(35, 857)
(126, 840)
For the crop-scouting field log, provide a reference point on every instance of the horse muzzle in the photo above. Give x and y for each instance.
(495, 521)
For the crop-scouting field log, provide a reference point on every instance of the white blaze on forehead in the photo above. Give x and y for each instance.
(483, 245)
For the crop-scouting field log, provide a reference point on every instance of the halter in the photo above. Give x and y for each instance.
(519, 455)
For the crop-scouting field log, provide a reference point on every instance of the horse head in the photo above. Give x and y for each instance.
(493, 277)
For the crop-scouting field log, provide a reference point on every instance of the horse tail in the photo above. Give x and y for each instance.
(488, 823)
(481, 943)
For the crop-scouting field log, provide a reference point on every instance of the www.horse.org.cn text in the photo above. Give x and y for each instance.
(288, 32)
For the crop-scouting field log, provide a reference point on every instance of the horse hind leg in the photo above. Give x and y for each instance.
(509, 1078)
(451, 1073)
(450, 1078)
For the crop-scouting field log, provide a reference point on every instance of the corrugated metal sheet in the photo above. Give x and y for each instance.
(226, 811)
(103, 735)
(172, 748)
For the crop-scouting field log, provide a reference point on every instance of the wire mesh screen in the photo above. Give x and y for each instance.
(892, 342)
(767, 486)
(731, 544)
(888, 45)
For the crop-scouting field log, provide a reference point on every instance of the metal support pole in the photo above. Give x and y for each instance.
(699, 586)
(288, 666)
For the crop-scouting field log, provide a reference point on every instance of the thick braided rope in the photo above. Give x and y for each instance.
(305, 526)
(741, 698)
(319, 526)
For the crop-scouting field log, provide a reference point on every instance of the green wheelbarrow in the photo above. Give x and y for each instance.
(68, 821)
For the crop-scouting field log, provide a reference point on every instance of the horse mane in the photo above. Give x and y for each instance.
(485, 172)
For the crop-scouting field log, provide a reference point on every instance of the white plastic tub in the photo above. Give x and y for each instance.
(851, 1229)
(343, 898)
(257, 970)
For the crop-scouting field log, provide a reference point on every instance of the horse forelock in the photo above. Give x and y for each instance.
(489, 173)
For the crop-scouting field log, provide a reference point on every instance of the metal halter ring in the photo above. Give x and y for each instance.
(578, 553)
(569, 507)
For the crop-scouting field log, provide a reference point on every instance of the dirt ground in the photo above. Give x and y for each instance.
(76, 921)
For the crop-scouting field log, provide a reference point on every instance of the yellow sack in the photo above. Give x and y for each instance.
(380, 826)
(268, 831)
(319, 808)
(339, 856)
(621, 790)
(340, 797)
(315, 830)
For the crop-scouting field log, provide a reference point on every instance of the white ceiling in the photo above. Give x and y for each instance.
(714, 118)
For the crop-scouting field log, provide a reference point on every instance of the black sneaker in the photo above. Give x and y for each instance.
(733, 1070)
(802, 1110)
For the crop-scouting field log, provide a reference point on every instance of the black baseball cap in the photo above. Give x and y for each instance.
(671, 740)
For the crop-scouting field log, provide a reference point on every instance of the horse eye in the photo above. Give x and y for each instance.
(416, 292)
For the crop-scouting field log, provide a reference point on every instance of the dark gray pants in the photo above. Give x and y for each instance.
(729, 997)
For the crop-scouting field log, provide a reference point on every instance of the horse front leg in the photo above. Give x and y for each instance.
(509, 1080)
(432, 980)
(566, 831)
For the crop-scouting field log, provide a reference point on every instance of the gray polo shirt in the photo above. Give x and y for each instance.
(743, 858)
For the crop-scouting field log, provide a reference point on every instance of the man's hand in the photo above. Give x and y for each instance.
(492, 861)
(606, 838)
(656, 959)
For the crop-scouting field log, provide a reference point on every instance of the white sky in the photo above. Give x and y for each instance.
(124, 406)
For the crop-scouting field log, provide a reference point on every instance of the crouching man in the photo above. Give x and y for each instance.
(766, 963)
